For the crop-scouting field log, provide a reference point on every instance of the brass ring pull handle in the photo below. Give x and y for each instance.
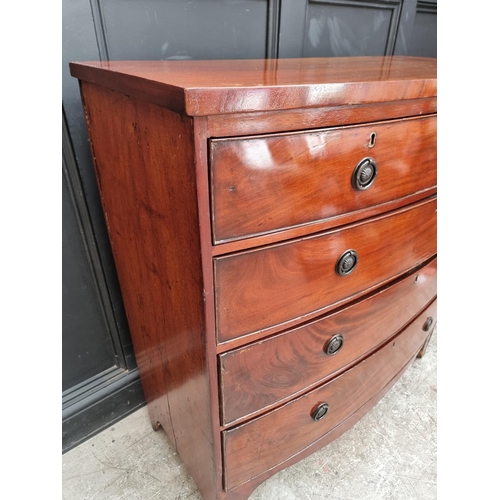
(320, 411)
(428, 324)
(347, 262)
(364, 174)
(334, 345)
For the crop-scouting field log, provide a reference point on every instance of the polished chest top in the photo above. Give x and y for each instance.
(273, 224)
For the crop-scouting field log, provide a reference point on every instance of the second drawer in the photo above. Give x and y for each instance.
(290, 362)
(259, 291)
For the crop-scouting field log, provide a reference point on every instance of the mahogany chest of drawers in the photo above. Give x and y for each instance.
(273, 224)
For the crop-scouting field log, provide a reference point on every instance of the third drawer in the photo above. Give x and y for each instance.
(290, 362)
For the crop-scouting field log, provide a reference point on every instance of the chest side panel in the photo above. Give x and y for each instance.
(145, 167)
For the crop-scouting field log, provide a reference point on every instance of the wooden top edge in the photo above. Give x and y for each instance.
(200, 88)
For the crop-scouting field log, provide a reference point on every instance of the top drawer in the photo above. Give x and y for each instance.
(273, 182)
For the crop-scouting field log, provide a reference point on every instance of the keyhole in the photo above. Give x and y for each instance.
(371, 143)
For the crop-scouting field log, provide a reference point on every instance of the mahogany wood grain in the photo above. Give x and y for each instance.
(243, 491)
(201, 164)
(320, 225)
(263, 288)
(266, 441)
(188, 300)
(293, 361)
(267, 183)
(141, 152)
(302, 119)
(200, 88)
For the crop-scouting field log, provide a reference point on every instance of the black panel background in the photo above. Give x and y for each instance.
(100, 379)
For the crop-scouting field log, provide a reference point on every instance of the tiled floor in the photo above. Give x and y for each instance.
(389, 455)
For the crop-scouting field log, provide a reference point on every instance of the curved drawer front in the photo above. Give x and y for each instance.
(292, 361)
(260, 289)
(275, 182)
(256, 446)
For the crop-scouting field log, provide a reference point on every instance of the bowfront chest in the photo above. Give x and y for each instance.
(273, 224)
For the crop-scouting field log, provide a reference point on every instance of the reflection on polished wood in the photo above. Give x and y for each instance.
(263, 289)
(266, 441)
(200, 88)
(136, 165)
(230, 334)
(275, 182)
(293, 361)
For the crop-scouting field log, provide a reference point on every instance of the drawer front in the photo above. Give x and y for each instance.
(256, 446)
(275, 182)
(292, 361)
(260, 289)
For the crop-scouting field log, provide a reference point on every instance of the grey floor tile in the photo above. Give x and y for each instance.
(389, 455)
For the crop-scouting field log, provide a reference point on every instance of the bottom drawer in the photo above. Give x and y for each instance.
(254, 447)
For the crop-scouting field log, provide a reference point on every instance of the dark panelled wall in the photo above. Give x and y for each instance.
(100, 379)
